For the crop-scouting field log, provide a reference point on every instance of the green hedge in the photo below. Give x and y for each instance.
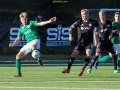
(58, 50)
(44, 50)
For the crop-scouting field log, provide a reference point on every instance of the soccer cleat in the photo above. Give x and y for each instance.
(89, 70)
(115, 71)
(40, 62)
(81, 73)
(66, 71)
(96, 64)
(18, 75)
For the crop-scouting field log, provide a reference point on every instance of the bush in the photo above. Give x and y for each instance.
(65, 50)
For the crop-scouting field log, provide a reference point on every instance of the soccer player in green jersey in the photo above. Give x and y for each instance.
(32, 37)
(115, 40)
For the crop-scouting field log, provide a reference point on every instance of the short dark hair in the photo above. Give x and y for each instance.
(40, 14)
(117, 13)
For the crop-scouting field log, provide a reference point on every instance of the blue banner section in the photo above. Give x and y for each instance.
(51, 35)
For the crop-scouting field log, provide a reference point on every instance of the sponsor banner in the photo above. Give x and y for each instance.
(58, 36)
(51, 35)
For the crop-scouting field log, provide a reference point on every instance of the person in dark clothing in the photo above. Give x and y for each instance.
(39, 18)
(104, 34)
(87, 27)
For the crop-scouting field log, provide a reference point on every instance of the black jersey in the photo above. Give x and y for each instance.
(87, 29)
(104, 32)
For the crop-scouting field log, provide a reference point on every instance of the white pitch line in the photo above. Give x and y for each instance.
(58, 81)
(57, 88)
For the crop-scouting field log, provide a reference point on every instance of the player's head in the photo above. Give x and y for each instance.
(102, 15)
(23, 18)
(40, 15)
(117, 16)
(85, 14)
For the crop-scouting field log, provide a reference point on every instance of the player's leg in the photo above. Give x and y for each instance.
(114, 58)
(23, 51)
(118, 62)
(92, 62)
(39, 61)
(18, 64)
(87, 59)
(96, 62)
(104, 59)
(117, 48)
(71, 60)
(99, 50)
(101, 60)
(36, 46)
(107, 57)
(88, 49)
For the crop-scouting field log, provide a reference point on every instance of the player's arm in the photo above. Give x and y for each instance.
(114, 29)
(95, 32)
(78, 32)
(95, 36)
(15, 42)
(53, 19)
(76, 24)
(70, 32)
(110, 36)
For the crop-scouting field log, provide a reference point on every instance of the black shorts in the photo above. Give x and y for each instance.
(102, 47)
(82, 46)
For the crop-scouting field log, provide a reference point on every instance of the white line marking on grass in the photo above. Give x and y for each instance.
(58, 81)
(57, 88)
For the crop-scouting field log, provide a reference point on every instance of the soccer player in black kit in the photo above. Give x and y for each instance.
(85, 42)
(103, 33)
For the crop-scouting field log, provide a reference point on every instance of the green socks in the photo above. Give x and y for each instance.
(118, 62)
(34, 48)
(104, 59)
(39, 58)
(18, 66)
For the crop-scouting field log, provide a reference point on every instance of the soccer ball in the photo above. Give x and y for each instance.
(35, 54)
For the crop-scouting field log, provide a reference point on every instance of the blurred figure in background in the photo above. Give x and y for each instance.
(39, 18)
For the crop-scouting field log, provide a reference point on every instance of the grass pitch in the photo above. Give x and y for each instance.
(51, 78)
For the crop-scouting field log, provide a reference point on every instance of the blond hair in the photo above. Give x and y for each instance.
(102, 12)
(84, 10)
(23, 15)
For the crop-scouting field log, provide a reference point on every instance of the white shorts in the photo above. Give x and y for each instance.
(28, 47)
(117, 48)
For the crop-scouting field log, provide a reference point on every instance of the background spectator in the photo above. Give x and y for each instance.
(39, 18)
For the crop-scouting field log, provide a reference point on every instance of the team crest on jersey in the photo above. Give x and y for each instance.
(82, 28)
(90, 24)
